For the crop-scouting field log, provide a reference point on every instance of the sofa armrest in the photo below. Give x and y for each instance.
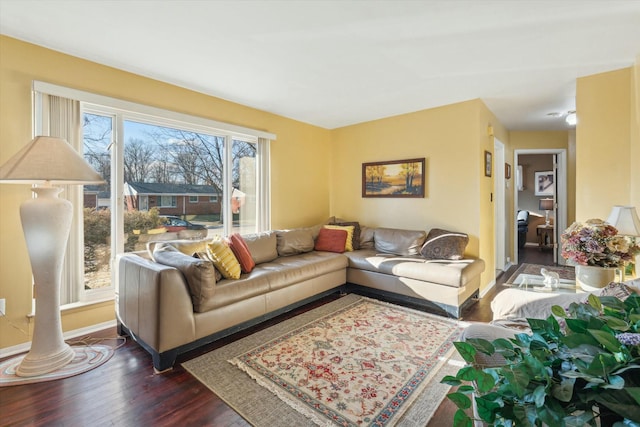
(517, 303)
(154, 303)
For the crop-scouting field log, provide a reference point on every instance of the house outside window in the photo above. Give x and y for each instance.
(145, 154)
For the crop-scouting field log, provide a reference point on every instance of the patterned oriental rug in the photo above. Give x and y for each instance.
(353, 362)
(565, 272)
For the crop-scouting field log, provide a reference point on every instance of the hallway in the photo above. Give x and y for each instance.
(533, 255)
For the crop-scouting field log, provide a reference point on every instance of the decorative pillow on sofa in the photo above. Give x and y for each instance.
(293, 242)
(348, 246)
(618, 290)
(187, 247)
(223, 258)
(398, 242)
(263, 247)
(355, 240)
(330, 240)
(443, 244)
(241, 251)
(199, 274)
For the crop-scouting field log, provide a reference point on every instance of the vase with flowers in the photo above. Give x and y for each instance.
(597, 251)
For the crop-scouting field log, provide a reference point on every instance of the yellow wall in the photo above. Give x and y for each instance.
(634, 154)
(452, 139)
(299, 159)
(604, 150)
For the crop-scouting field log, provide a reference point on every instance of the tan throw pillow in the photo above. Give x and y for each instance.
(348, 247)
(199, 274)
(443, 244)
(293, 242)
(223, 258)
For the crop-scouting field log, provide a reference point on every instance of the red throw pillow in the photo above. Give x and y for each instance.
(241, 251)
(331, 240)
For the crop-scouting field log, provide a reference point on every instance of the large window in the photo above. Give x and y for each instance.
(166, 175)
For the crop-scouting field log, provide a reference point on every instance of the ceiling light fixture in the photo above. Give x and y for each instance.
(571, 118)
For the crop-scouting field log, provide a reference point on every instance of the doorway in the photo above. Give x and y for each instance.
(500, 224)
(538, 166)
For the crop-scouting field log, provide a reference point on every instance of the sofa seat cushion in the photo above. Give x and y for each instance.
(279, 273)
(287, 271)
(229, 291)
(449, 273)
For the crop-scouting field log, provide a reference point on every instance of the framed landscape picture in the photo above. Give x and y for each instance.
(398, 178)
(544, 183)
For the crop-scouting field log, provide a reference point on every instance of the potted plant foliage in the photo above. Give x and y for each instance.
(580, 366)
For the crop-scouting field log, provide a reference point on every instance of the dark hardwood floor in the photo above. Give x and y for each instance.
(126, 392)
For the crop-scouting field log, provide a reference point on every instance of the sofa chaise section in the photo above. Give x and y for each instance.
(442, 286)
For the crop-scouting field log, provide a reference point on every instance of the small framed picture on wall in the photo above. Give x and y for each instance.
(487, 163)
(544, 183)
(507, 171)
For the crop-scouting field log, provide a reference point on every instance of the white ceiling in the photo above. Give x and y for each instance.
(335, 63)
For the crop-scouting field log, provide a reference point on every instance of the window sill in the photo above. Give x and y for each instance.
(76, 306)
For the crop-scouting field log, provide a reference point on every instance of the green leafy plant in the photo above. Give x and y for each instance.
(578, 365)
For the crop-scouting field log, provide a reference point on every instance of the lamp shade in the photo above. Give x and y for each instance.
(546, 204)
(625, 219)
(48, 159)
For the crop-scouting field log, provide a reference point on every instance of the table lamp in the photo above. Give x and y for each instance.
(546, 205)
(625, 220)
(46, 222)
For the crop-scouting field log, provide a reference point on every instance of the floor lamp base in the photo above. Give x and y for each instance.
(85, 358)
(34, 365)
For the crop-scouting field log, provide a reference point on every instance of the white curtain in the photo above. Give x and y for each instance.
(61, 117)
(264, 191)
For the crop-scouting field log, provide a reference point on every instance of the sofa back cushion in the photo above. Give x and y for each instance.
(199, 274)
(293, 242)
(262, 246)
(443, 244)
(398, 242)
(366, 237)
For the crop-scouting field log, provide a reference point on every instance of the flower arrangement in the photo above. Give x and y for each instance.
(597, 243)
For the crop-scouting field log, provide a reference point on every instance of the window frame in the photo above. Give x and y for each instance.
(121, 111)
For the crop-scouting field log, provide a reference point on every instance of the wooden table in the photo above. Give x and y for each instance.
(545, 236)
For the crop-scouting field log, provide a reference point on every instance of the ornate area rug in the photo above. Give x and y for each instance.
(353, 362)
(565, 272)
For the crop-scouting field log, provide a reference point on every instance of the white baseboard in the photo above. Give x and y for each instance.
(24, 347)
(487, 289)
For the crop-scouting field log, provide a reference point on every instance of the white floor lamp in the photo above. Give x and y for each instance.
(46, 222)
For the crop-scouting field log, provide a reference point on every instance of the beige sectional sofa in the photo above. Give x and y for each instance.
(170, 309)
